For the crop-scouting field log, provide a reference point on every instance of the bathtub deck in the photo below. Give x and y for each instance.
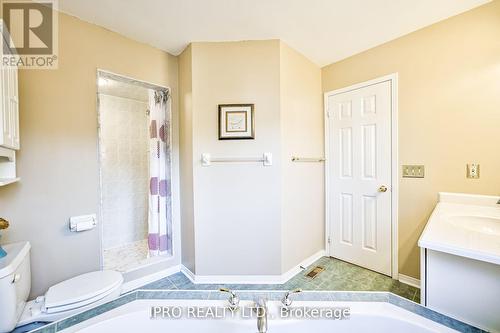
(196, 296)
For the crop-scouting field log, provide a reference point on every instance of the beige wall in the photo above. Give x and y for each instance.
(58, 157)
(237, 206)
(250, 219)
(186, 158)
(449, 111)
(301, 135)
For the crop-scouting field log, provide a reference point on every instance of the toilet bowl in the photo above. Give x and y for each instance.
(61, 300)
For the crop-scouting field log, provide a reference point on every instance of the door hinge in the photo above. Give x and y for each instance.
(329, 114)
(329, 240)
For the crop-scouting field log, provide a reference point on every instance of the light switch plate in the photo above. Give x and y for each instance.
(473, 170)
(413, 171)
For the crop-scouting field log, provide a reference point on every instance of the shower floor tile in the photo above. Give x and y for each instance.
(127, 257)
(337, 276)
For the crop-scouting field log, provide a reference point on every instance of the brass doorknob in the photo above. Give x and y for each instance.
(382, 188)
(4, 224)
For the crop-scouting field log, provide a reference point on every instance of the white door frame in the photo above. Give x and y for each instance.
(393, 79)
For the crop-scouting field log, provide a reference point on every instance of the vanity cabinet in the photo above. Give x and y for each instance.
(460, 259)
(462, 288)
(9, 107)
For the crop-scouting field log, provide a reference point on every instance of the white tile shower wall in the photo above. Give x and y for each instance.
(124, 169)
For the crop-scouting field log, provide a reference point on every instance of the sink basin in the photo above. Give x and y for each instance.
(482, 224)
(466, 225)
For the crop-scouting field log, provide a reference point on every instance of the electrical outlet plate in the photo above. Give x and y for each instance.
(413, 171)
(473, 170)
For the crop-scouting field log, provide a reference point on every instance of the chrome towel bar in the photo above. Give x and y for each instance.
(307, 159)
(207, 159)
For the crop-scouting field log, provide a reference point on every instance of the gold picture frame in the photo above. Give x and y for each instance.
(236, 122)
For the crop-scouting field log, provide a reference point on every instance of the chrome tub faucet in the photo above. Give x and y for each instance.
(261, 311)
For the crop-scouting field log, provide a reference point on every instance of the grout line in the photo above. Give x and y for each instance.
(173, 284)
(414, 295)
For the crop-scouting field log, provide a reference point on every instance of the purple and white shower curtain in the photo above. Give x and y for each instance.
(160, 194)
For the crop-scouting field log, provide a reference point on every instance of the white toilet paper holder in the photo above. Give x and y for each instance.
(82, 222)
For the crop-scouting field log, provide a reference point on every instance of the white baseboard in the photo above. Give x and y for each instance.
(411, 281)
(305, 263)
(136, 283)
(252, 279)
(226, 279)
(188, 273)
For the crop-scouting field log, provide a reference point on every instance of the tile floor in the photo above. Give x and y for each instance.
(126, 257)
(338, 275)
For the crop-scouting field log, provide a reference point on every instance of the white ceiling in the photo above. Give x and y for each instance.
(325, 31)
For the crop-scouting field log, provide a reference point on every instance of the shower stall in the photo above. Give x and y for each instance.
(135, 172)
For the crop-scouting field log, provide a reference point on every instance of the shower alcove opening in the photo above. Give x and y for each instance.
(127, 149)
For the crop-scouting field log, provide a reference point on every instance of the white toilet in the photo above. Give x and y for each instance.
(62, 300)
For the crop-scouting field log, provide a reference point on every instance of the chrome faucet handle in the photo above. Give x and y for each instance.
(286, 301)
(233, 300)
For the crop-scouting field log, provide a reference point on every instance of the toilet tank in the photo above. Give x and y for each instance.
(15, 284)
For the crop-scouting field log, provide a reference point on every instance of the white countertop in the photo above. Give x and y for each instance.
(465, 225)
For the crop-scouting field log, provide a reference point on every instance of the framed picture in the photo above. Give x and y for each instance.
(236, 122)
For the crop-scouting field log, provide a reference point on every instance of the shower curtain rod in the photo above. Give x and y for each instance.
(123, 78)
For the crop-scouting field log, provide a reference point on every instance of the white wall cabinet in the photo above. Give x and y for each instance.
(9, 119)
(9, 108)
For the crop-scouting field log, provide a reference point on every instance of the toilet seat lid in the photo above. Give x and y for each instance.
(82, 288)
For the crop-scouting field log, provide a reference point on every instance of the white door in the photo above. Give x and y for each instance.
(359, 173)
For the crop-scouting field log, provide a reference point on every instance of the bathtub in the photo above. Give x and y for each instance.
(364, 317)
